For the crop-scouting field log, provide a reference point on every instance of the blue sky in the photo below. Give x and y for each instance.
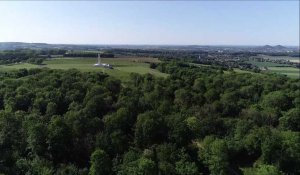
(151, 22)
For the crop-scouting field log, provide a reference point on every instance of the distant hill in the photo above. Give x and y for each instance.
(267, 47)
(279, 47)
(21, 45)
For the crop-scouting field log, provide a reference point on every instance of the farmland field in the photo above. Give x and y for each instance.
(291, 59)
(122, 66)
(289, 71)
(267, 64)
(284, 69)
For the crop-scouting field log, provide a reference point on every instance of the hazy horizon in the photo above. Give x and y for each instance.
(216, 23)
(202, 45)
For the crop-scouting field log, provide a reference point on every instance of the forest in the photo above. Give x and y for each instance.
(198, 120)
(13, 56)
(89, 54)
(33, 56)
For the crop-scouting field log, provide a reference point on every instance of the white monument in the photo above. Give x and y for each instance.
(105, 65)
(99, 60)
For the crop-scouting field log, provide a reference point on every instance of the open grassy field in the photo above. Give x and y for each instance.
(242, 71)
(122, 66)
(285, 69)
(267, 64)
(291, 59)
(236, 70)
(289, 71)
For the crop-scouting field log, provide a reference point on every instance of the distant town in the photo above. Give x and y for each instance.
(250, 58)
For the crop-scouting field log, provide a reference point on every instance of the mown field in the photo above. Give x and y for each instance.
(291, 59)
(122, 66)
(267, 64)
(284, 69)
(289, 71)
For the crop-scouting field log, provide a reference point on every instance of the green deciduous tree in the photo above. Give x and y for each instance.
(149, 129)
(214, 153)
(291, 120)
(100, 163)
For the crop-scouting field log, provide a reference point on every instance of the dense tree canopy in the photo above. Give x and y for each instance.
(34, 56)
(198, 120)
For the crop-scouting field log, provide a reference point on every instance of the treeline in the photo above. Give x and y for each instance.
(89, 54)
(163, 54)
(27, 55)
(195, 121)
(50, 52)
(14, 56)
(227, 60)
